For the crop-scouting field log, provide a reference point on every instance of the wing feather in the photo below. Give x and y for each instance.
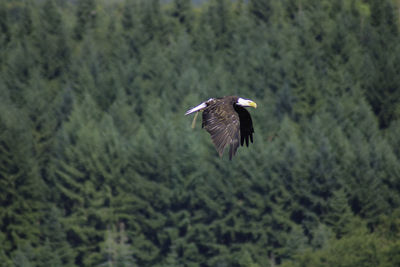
(227, 123)
(223, 124)
(246, 125)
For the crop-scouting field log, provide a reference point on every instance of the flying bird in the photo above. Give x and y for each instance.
(227, 121)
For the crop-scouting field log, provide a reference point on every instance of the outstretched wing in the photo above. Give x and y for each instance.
(223, 124)
(246, 125)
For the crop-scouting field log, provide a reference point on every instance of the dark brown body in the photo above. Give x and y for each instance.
(228, 124)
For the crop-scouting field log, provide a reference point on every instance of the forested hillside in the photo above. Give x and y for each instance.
(100, 167)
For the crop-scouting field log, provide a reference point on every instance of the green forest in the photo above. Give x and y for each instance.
(100, 167)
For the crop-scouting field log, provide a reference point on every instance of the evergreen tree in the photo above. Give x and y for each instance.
(262, 10)
(183, 12)
(21, 186)
(152, 21)
(117, 251)
(24, 256)
(86, 166)
(359, 248)
(54, 249)
(51, 41)
(340, 215)
(5, 33)
(86, 15)
(380, 37)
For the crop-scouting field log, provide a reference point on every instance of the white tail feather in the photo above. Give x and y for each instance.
(197, 108)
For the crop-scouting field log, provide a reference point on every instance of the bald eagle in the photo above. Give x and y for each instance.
(227, 121)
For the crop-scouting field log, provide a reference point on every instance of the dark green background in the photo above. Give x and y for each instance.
(100, 167)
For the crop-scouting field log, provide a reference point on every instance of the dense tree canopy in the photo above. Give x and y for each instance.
(99, 166)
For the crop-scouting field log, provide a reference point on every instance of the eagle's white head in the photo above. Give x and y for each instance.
(246, 102)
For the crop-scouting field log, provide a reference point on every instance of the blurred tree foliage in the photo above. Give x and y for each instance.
(99, 167)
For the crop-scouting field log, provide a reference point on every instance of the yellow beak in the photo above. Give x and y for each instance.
(253, 104)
